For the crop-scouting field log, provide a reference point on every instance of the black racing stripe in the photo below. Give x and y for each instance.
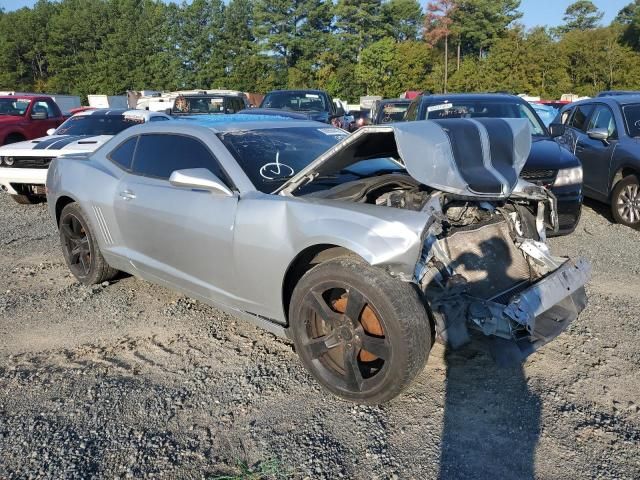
(45, 143)
(466, 145)
(63, 142)
(501, 143)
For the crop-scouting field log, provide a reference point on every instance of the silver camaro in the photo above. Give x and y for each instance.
(362, 249)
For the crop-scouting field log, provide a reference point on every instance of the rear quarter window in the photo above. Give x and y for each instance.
(122, 155)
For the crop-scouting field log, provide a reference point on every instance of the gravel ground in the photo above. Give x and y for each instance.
(129, 380)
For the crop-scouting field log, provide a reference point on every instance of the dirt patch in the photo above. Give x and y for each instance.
(133, 380)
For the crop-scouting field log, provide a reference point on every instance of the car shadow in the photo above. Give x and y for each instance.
(489, 409)
(600, 208)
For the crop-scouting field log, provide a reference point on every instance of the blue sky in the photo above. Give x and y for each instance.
(536, 12)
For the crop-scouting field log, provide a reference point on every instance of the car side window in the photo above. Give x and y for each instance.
(234, 104)
(603, 118)
(580, 117)
(159, 155)
(122, 155)
(412, 112)
(564, 116)
(43, 107)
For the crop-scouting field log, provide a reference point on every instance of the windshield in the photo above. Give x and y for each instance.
(296, 101)
(96, 125)
(486, 109)
(199, 105)
(271, 156)
(14, 106)
(393, 112)
(632, 119)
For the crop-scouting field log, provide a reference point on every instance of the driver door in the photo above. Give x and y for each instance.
(596, 155)
(177, 235)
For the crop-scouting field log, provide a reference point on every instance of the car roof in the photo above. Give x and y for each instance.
(470, 97)
(297, 90)
(612, 100)
(240, 122)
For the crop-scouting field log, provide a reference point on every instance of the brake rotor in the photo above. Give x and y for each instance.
(369, 321)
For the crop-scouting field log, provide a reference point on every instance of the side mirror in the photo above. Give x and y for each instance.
(601, 134)
(556, 130)
(39, 116)
(199, 179)
(51, 131)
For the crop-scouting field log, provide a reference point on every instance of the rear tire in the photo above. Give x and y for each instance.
(362, 334)
(26, 199)
(80, 248)
(625, 202)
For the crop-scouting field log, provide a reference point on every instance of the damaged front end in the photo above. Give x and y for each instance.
(485, 267)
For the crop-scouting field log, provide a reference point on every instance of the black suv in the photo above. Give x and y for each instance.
(604, 133)
(548, 164)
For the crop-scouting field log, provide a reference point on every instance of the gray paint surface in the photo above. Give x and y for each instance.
(234, 251)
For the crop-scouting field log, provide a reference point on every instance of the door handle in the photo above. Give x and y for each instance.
(127, 195)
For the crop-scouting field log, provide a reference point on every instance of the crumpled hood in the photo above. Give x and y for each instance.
(472, 157)
(54, 145)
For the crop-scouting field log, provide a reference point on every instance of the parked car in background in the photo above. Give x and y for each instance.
(23, 165)
(65, 103)
(548, 165)
(27, 116)
(315, 104)
(207, 104)
(360, 248)
(604, 133)
(190, 102)
(389, 111)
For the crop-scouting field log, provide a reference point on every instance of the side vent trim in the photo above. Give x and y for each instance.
(104, 228)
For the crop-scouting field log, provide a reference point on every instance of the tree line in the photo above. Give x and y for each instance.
(348, 47)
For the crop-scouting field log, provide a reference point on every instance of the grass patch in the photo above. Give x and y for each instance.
(270, 469)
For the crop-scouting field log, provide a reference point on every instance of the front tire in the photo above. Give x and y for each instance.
(80, 249)
(362, 334)
(625, 202)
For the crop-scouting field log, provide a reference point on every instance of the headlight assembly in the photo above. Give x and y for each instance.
(568, 176)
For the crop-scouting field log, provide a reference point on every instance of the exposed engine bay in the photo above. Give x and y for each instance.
(480, 261)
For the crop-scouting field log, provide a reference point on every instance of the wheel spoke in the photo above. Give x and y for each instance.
(355, 305)
(376, 346)
(317, 303)
(80, 246)
(321, 345)
(353, 376)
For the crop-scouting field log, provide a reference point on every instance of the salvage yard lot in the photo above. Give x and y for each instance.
(132, 380)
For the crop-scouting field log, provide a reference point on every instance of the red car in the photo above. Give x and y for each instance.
(24, 117)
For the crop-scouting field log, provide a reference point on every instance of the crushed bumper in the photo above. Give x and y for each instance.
(531, 318)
